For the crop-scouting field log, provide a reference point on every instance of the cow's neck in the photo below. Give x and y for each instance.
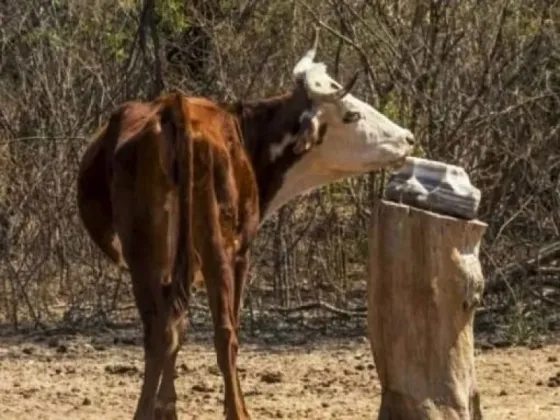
(268, 127)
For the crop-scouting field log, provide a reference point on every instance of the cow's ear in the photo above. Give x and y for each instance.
(310, 132)
(304, 135)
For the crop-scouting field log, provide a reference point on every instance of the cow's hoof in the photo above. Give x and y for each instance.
(165, 412)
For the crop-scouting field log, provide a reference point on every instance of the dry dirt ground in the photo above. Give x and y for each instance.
(81, 377)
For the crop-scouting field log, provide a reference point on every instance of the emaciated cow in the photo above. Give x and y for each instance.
(176, 188)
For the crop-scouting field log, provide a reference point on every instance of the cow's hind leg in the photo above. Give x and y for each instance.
(158, 337)
(240, 274)
(218, 275)
(217, 267)
(153, 366)
(167, 396)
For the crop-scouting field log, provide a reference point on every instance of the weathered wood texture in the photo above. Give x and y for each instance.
(425, 283)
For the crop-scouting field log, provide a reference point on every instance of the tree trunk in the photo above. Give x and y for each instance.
(425, 282)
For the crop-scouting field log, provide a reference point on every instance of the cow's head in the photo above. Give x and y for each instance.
(340, 132)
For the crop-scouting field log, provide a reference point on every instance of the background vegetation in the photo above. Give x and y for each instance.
(478, 83)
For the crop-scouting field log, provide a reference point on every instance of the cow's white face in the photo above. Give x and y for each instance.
(341, 135)
(357, 138)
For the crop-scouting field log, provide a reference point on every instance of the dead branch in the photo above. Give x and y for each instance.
(357, 312)
(517, 271)
(545, 299)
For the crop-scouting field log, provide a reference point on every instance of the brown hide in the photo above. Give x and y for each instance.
(94, 198)
(116, 147)
(174, 187)
(268, 119)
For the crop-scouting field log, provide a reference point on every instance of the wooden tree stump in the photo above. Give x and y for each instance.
(425, 283)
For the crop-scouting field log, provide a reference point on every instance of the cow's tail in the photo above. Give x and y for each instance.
(175, 117)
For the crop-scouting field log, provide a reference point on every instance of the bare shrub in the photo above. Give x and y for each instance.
(477, 82)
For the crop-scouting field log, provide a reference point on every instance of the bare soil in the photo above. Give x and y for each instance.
(85, 377)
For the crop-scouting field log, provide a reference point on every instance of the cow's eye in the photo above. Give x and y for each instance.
(351, 117)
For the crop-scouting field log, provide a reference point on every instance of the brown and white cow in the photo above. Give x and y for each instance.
(176, 188)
